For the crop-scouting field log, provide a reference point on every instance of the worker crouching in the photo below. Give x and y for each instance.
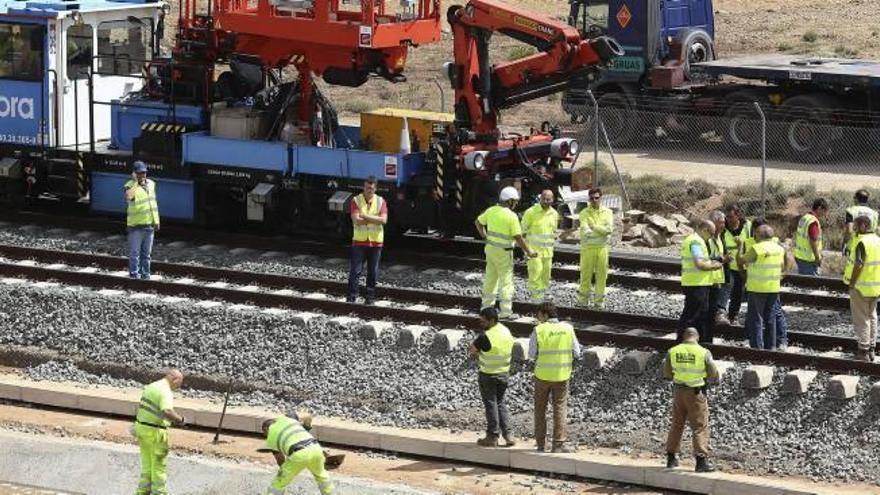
(295, 449)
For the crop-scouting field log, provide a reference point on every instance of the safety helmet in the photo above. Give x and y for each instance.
(508, 193)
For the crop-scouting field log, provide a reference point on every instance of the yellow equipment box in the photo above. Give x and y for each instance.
(380, 129)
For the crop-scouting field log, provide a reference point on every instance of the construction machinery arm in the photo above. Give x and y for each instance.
(482, 89)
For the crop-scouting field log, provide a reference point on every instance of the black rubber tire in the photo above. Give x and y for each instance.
(618, 112)
(697, 46)
(741, 126)
(805, 130)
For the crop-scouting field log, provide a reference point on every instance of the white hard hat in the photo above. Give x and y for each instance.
(508, 193)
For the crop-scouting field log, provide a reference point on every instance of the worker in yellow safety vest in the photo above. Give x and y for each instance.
(155, 414)
(697, 276)
(688, 365)
(765, 262)
(808, 239)
(142, 221)
(494, 350)
(719, 277)
(553, 347)
(862, 274)
(500, 228)
(860, 209)
(597, 225)
(369, 214)
(736, 230)
(539, 224)
(295, 449)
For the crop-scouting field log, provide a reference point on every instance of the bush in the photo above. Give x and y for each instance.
(810, 36)
(357, 105)
(748, 196)
(846, 51)
(520, 51)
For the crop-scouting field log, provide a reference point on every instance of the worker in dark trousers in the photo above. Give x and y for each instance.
(688, 365)
(369, 214)
(696, 276)
(765, 264)
(716, 254)
(494, 349)
(808, 239)
(736, 228)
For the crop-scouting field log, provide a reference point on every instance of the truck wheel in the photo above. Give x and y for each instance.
(697, 47)
(741, 132)
(807, 133)
(617, 112)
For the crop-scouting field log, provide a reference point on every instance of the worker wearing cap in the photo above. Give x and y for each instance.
(539, 223)
(808, 239)
(501, 229)
(697, 276)
(860, 209)
(142, 221)
(369, 214)
(494, 350)
(688, 365)
(765, 263)
(154, 415)
(295, 449)
(597, 224)
(862, 274)
(553, 347)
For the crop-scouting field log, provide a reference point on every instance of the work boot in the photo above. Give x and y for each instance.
(540, 447)
(671, 461)
(563, 449)
(488, 441)
(509, 440)
(703, 466)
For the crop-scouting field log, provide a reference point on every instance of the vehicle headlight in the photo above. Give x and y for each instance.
(564, 148)
(475, 160)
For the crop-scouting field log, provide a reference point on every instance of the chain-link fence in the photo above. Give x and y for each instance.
(664, 155)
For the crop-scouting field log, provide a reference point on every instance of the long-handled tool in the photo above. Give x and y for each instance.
(222, 415)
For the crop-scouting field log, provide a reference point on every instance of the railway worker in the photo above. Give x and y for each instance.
(142, 221)
(553, 347)
(778, 313)
(808, 239)
(765, 264)
(500, 228)
(539, 224)
(154, 415)
(860, 209)
(862, 274)
(369, 214)
(494, 348)
(716, 253)
(689, 365)
(696, 277)
(736, 227)
(597, 224)
(295, 449)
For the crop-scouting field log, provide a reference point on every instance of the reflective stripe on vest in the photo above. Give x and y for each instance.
(498, 218)
(868, 283)
(601, 215)
(764, 275)
(730, 243)
(861, 211)
(555, 347)
(688, 362)
(541, 231)
(142, 210)
(802, 249)
(716, 250)
(285, 433)
(148, 409)
(497, 360)
(691, 276)
(370, 232)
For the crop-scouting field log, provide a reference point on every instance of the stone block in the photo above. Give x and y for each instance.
(520, 349)
(798, 381)
(758, 377)
(471, 452)
(446, 340)
(640, 332)
(433, 272)
(597, 357)
(209, 247)
(842, 387)
(108, 405)
(679, 480)
(610, 472)
(598, 328)
(272, 254)
(723, 367)
(408, 336)
(45, 397)
(418, 307)
(303, 319)
(10, 391)
(347, 436)
(635, 362)
(342, 322)
(404, 443)
(242, 251)
(543, 463)
(371, 330)
(318, 296)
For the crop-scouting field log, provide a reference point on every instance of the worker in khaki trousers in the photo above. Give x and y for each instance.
(688, 365)
(154, 415)
(597, 223)
(862, 274)
(553, 347)
(539, 224)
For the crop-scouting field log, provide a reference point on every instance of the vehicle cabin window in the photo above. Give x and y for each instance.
(124, 46)
(595, 13)
(21, 52)
(80, 50)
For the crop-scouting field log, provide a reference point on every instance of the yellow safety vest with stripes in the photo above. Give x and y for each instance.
(368, 232)
(716, 250)
(688, 362)
(143, 210)
(868, 283)
(802, 249)
(857, 211)
(285, 433)
(502, 225)
(691, 275)
(539, 226)
(764, 275)
(730, 243)
(603, 219)
(497, 360)
(154, 396)
(555, 347)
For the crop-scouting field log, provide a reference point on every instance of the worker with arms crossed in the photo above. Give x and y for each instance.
(539, 223)
(295, 449)
(597, 224)
(154, 415)
(369, 214)
(500, 227)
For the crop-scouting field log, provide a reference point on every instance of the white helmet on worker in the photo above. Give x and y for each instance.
(508, 193)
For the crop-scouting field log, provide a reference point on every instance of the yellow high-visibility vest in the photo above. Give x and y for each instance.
(555, 347)
(497, 360)
(284, 433)
(691, 275)
(369, 232)
(716, 250)
(143, 210)
(502, 226)
(764, 275)
(730, 243)
(603, 217)
(857, 211)
(868, 283)
(539, 226)
(802, 249)
(688, 362)
(155, 399)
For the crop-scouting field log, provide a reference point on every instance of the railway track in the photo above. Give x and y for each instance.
(276, 291)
